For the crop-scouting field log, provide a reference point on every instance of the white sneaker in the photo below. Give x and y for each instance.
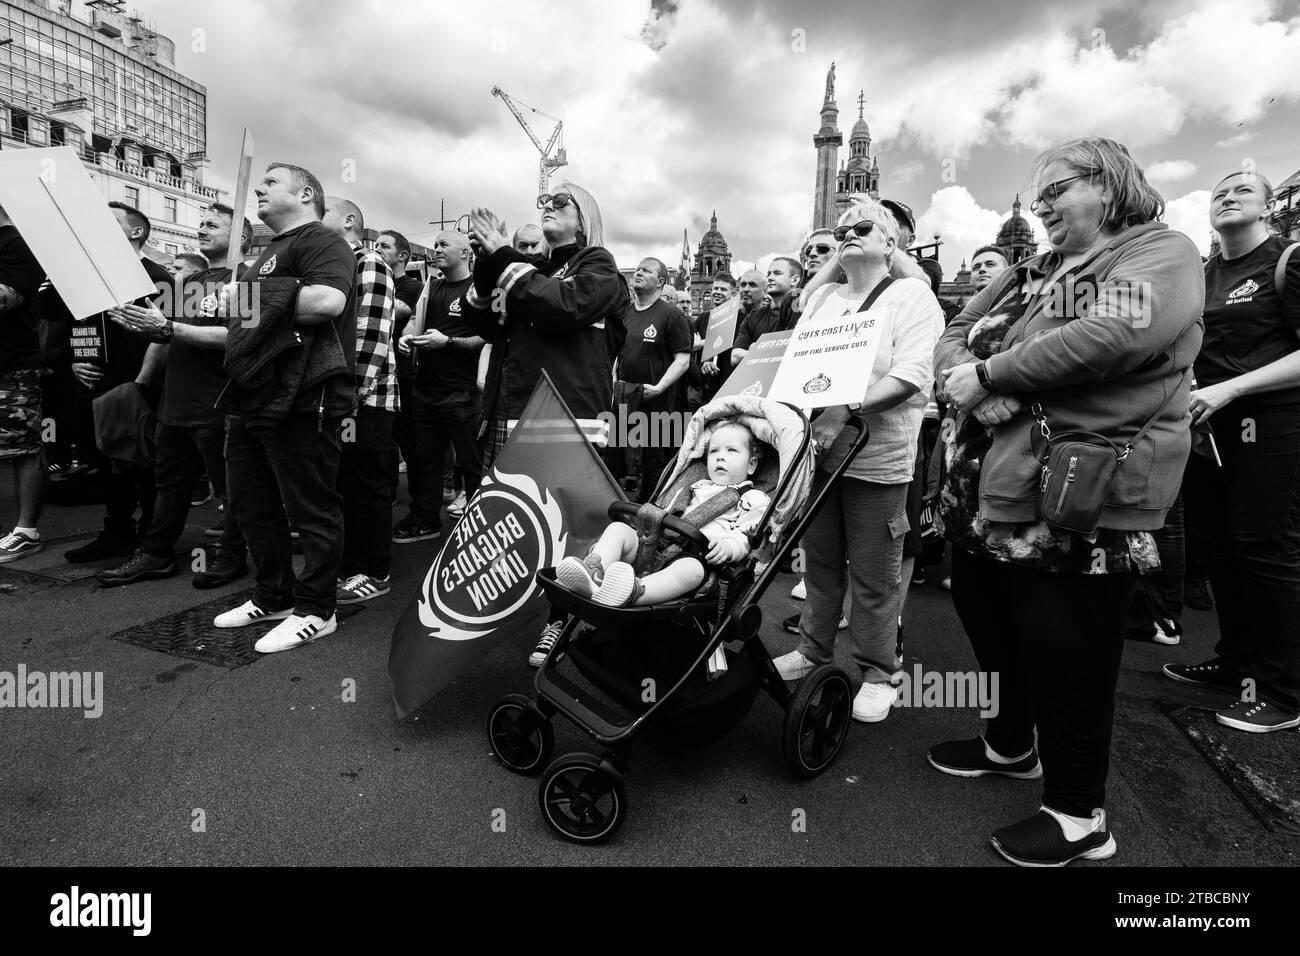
(799, 592)
(294, 631)
(17, 545)
(1169, 633)
(873, 702)
(248, 613)
(457, 506)
(793, 666)
(946, 584)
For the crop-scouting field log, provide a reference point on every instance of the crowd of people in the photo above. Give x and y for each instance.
(1169, 397)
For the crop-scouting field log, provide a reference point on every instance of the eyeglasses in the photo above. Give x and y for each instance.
(862, 228)
(822, 249)
(558, 201)
(1052, 192)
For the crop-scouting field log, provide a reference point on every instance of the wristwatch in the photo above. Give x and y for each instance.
(982, 374)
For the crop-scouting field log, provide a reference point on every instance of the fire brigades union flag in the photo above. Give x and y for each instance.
(545, 497)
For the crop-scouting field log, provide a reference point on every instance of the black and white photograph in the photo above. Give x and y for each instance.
(927, 376)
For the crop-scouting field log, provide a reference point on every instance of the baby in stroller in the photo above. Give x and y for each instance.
(724, 506)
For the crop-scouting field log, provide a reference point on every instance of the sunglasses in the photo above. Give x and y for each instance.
(862, 228)
(1052, 192)
(822, 249)
(558, 201)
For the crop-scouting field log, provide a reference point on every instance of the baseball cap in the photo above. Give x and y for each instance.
(902, 212)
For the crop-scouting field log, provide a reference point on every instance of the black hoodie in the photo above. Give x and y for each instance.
(563, 314)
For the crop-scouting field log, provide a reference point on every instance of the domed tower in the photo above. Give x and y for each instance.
(712, 258)
(1017, 236)
(861, 174)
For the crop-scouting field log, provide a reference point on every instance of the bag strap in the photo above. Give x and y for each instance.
(1128, 446)
(881, 286)
(1279, 274)
(1041, 417)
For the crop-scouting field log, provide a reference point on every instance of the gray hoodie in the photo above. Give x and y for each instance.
(1104, 365)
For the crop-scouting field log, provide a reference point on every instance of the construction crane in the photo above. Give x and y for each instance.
(548, 164)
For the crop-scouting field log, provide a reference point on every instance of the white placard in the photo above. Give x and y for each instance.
(829, 363)
(67, 224)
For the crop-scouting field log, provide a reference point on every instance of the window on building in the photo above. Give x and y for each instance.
(169, 208)
(170, 247)
(132, 196)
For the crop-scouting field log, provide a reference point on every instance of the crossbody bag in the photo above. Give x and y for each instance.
(1079, 469)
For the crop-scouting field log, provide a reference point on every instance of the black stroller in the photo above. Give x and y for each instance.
(615, 670)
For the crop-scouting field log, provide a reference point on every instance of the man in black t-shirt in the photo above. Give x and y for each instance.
(445, 401)
(655, 355)
(125, 488)
(283, 468)
(191, 432)
(20, 390)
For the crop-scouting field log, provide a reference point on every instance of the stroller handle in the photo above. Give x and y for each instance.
(693, 540)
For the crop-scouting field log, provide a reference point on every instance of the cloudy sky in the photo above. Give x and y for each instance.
(677, 108)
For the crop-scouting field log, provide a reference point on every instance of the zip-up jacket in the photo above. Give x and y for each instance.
(277, 367)
(563, 314)
(1103, 365)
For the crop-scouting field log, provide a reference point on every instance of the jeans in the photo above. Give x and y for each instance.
(1055, 642)
(366, 486)
(1248, 516)
(866, 522)
(442, 421)
(183, 455)
(282, 476)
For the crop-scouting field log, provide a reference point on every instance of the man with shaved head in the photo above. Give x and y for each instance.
(655, 356)
(367, 468)
(445, 401)
(529, 240)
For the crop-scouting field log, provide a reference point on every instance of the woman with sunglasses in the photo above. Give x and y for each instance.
(863, 521)
(563, 314)
(1094, 336)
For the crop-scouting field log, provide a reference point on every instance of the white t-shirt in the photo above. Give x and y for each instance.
(913, 322)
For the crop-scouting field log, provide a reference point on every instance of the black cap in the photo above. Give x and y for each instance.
(902, 212)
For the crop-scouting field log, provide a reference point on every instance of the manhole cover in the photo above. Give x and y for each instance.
(190, 634)
(1261, 769)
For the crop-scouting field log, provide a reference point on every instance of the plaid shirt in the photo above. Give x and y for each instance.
(376, 314)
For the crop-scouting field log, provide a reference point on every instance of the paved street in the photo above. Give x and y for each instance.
(286, 772)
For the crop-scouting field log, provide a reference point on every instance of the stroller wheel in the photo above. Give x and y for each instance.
(519, 734)
(582, 801)
(817, 721)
